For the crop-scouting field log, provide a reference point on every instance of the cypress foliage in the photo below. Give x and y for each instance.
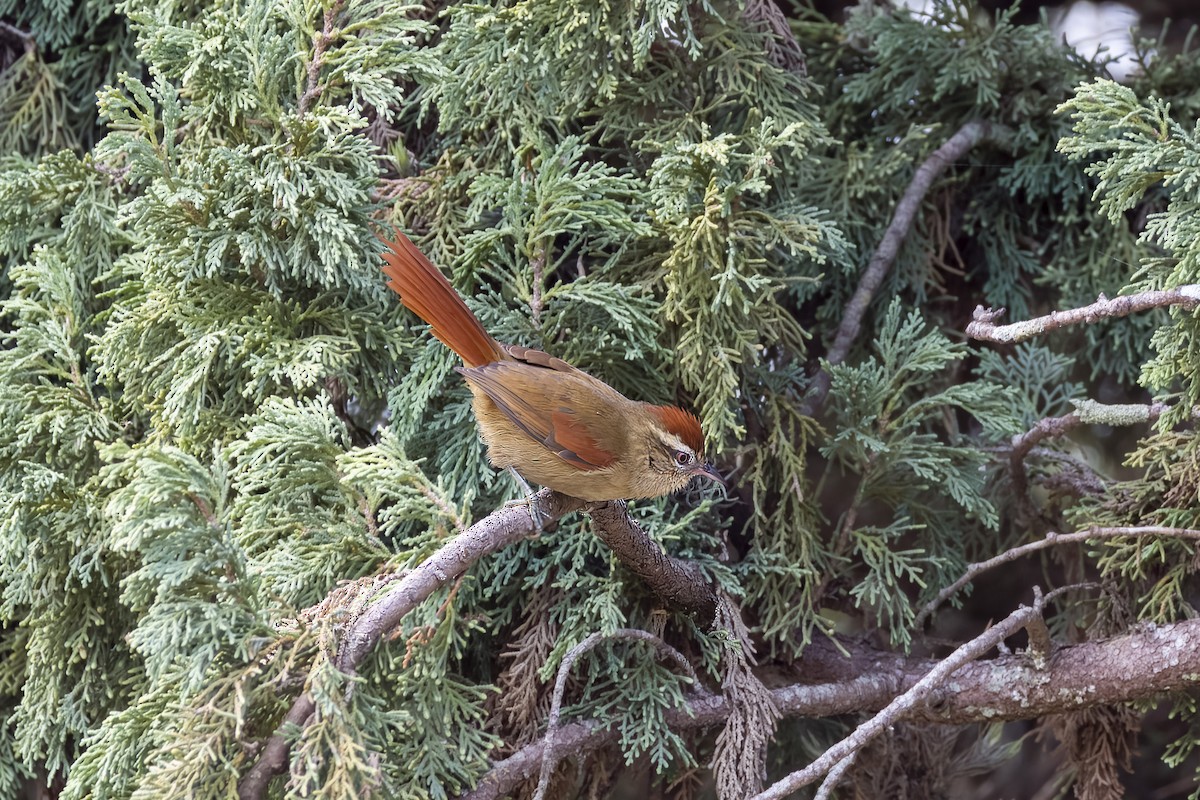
(222, 439)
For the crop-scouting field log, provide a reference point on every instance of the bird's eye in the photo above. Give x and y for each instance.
(683, 458)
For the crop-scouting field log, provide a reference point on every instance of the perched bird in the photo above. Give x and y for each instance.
(547, 421)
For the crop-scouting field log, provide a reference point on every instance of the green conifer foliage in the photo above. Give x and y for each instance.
(56, 56)
(223, 441)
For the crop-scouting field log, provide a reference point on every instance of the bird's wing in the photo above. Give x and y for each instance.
(538, 401)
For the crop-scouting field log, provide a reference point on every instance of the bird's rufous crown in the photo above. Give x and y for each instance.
(682, 424)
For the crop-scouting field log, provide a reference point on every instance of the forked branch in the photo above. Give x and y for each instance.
(896, 710)
(1137, 666)
(679, 584)
(1087, 412)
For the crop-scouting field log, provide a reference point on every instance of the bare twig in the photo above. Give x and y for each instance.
(898, 708)
(1139, 665)
(549, 752)
(1052, 539)
(496, 531)
(984, 328)
(835, 777)
(14, 33)
(957, 146)
(1022, 443)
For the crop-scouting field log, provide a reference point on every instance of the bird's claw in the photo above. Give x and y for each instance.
(535, 512)
(529, 501)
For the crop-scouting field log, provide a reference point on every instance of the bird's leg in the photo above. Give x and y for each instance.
(535, 513)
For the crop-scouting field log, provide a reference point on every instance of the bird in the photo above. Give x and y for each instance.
(541, 418)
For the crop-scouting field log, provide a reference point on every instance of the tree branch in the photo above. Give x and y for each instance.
(494, 532)
(1022, 443)
(984, 328)
(899, 707)
(1088, 412)
(1137, 666)
(957, 146)
(320, 41)
(1052, 539)
(835, 777)
(681, 585)
(13, 33)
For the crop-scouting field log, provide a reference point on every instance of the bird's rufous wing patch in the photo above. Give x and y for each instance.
(531, 397)
(576, 442)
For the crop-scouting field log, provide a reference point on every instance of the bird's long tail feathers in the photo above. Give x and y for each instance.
(425, 291)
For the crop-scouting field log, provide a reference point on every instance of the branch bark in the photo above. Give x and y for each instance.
(1088, 413)
(1023, 443)
(899, 707)
(681, 585)
(1136, 666)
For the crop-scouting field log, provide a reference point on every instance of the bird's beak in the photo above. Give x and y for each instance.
(707, 470)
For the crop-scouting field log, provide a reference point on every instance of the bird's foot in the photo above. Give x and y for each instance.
(529, 501)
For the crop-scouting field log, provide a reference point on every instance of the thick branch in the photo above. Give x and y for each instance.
(1136, 666)
(898, 708)
(984, 328)
(680, 585)
(496, 531)
(580, 738)
(957, 146)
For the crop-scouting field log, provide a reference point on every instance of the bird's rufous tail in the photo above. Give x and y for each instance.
(425, 291)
